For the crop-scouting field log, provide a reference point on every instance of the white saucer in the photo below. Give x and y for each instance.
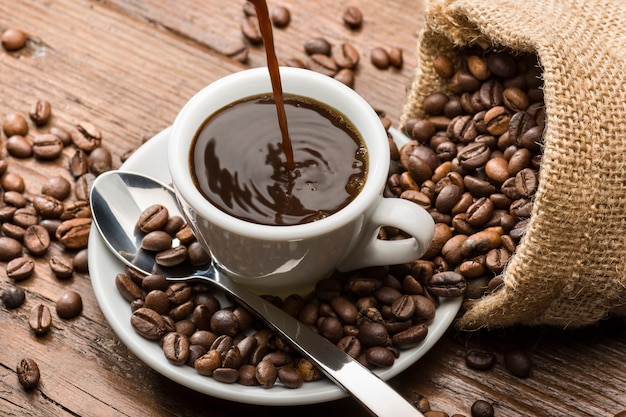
(151, 159)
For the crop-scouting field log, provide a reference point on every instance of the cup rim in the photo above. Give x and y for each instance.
(294, 80)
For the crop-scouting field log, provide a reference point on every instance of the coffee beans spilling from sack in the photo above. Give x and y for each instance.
(569, 268)
(473, 163)
(371, 314)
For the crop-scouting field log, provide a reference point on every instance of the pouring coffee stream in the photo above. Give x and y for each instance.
(117, 199)
(265, 26)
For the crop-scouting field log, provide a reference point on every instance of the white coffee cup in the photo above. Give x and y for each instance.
(282, 259)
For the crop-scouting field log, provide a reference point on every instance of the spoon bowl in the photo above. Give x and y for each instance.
(117, 199)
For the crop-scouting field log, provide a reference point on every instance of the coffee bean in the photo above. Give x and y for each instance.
(13, 297)
(410, 337)
(322, 64)
(497, 120)
(156, 300)
(251, 31)
(15, 199)
(14, 231)
(280, 16)
(480, 359)
(19, 147)
(379, 356)
(443, 65)
(76, 209)
(380, 58)
(81, 261)
(9, 249)
(20, 268)
(290, 377)
(447, 284)
(15, 124)
(196, 254)
(155, 282)
(86, 136)
(153, 218)
(176, 348)
(40, 112)
(148, 323)
(224, 322)
(78, 164)
(11, 181)
(266, 374)
(61, 266)
(518, 362)
(13, 39)
(69, 305)
(74, 233)
(226, 375)
(346, 56)
(482, 408)
(474, 155)
(482, 241)
(83, 185)
(40, 319)
(345, 309)
(47, 146)
(502, 64)
(100, 160)
(28, 373)
(208, 363)
(352, 17)
(48, 207)
(396, 57)
(317, 45)
(156, 241)
(171, 257)
(181, 311)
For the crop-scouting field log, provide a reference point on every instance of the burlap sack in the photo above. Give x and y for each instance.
(570, 268)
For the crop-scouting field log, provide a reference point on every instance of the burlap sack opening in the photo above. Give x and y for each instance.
(569, 270)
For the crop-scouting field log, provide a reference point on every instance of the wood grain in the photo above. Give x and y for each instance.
(128, 66)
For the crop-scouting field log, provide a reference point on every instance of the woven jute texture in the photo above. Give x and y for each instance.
(569, 270)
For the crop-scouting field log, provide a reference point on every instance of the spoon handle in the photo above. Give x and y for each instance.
(372, 392)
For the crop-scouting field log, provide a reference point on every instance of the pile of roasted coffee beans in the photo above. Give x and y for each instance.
(371, 314)
(473, 163)
(337, 61)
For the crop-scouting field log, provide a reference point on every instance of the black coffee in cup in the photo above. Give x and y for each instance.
(238, 165)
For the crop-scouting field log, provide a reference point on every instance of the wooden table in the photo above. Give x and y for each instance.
(128, 66)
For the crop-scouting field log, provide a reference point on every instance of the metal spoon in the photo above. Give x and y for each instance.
(118, 198)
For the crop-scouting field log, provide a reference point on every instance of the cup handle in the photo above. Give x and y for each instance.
(395, 212)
